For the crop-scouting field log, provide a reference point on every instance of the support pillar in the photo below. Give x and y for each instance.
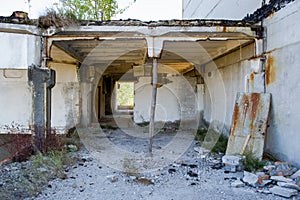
(42, 80)
(153, 103)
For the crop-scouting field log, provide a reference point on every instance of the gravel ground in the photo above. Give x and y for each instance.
(189, 177)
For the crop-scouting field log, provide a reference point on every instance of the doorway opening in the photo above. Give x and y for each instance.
(125, 96)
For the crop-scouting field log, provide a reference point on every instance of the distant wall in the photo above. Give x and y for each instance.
(218, 9)
(175, 100)
(283, 70)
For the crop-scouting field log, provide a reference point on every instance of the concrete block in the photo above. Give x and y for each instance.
(232, 160)
(288, 185)
(237, 184)
(250, 179)
(295, 175)
(284, 192)
(281, 179)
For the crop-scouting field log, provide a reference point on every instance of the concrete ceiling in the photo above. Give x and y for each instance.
(118, 48)
(120, 55)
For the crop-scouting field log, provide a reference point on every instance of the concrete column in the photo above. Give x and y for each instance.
(42, 80)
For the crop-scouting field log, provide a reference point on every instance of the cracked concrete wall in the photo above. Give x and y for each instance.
(282, 81)
(218, 9)
(65, 97)
(175, 100)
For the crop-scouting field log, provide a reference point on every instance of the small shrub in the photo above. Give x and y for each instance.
(129, 167)
(208, 137)
(251, 163)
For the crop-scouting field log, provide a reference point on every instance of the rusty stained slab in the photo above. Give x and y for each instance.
(249, 124)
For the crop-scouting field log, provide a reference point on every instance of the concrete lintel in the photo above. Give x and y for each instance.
(155, 31)
(19, 28)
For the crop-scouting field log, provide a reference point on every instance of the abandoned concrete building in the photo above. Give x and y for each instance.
(62, 77)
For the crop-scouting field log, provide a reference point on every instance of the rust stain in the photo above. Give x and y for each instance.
(252, 80)
(245, 105)
(255, 98)
(235, 118)
(224, 29)
(270, 70)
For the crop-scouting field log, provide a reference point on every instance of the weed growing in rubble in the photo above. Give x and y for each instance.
(209, 135)
(52, 158)
(251, 163)
(129, 168)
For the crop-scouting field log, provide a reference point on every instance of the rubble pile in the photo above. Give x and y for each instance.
(278, 178)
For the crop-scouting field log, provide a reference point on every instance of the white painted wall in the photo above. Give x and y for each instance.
(175, 101)
(223, 79)
(218, 9)
(18, 51)
(283, 45)
(65, 97)
(15, 101)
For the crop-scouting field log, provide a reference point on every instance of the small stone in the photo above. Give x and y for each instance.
(230, 168)
(281, 179)
(237, 184)
(132, 178)
(112, 178)
(192, 174)
(217, 166)
(288, 185)
(284, 192)
(269, 167)
(250, 179)
(72, 148)
(171, 171)
(296, 174)
(42, 169)
(231, 160)
(265, 182)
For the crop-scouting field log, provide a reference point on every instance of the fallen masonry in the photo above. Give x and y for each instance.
(192, 174)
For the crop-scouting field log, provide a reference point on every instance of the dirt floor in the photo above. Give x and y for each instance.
(115, 165)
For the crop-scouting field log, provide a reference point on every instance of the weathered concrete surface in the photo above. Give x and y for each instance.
(223, 79)
(282, 80)
(15, 101)
(175, 100)
(65, 95)
(215, 9)
(18, 51)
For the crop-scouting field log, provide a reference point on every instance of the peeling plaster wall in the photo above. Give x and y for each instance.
(65, 97)
(18, 51)
(218, 9)
(15, 101)
(223, 79)
(282, 70)
(175, 101)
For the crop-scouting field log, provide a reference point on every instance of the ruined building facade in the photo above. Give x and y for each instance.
(62, 77)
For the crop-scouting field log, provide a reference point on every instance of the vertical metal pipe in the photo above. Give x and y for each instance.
(153, 103)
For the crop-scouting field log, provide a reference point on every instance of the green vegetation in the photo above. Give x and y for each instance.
(213, 140)
(125, 94)
(251, 163)
(129, 168)
(89, 9)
